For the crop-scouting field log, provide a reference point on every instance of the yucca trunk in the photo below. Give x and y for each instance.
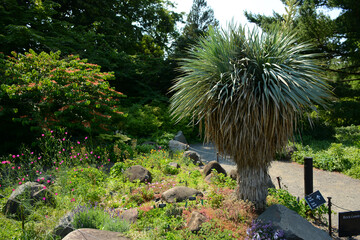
(253, 183)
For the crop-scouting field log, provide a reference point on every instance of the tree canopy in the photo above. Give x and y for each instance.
(119, 35)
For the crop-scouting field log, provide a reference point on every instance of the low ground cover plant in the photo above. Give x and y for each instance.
(341, 154)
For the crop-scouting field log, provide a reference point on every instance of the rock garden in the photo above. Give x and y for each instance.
(72, 190)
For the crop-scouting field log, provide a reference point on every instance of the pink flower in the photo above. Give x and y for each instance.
(13, 156)
(31, 162)
(72, 190)
(42, 135)
(32, 153)
(85, 138)
(108, 160)
(65, 132)
(23, 179)
(72, 200)
(13, 190)
(56, 168)
(13, 167)
(70, 182)
(48, 181)
(44, 198)
(56, 194)
(44, 187)
(19, 183)
(19, 167)
(51, 131)
(38, 180)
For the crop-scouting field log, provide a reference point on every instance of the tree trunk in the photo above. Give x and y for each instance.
(253, 184)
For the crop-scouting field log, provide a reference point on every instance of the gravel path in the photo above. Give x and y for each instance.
(344, 191)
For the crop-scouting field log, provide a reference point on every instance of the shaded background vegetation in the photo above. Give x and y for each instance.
(140, 43)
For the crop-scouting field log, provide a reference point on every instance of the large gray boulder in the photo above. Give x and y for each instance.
(176, 146)
(180, 137)
(26, 195)
(138, 172)
(65, 225)
(179, 194)
(195, 222)
(294, 226)
(194, 156)
(94, 234)
(213, 165)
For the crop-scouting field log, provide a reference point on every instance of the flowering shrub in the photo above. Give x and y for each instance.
(45, 91)
(260, 230)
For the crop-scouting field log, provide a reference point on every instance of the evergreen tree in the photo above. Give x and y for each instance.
(200, 18)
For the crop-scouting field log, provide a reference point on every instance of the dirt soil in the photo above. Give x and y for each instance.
(343, 190)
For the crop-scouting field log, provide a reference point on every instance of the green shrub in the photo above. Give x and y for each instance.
(220, 180)
(46, 91)
(283, 197)
(88, 216)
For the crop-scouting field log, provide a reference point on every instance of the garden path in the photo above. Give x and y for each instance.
(344, 190)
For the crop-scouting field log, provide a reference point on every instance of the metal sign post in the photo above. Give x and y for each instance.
(308, 175)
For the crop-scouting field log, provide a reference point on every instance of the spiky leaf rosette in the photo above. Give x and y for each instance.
(249, 88)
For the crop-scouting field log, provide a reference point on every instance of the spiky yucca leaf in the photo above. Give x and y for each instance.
(249, 89)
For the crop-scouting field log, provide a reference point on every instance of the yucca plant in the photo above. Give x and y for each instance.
(249, 88)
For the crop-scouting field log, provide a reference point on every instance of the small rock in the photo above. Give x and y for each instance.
(94, 234)
(180, 137)
(64, 226)
(233, 174)
(176, 146)
(209, 177)
(174, 164)
(130, 215)
(294, 226)
(213, 165)
(179, 194)
(138, 172)
(194, 156)
(195, 222)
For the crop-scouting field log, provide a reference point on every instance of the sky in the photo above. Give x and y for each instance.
(226, 10)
